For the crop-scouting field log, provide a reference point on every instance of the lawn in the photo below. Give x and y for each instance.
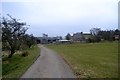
(14, 67)
(90, 60)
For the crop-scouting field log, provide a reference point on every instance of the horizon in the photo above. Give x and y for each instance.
(57, 18)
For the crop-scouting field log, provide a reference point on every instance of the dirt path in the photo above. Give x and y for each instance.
(49, 65)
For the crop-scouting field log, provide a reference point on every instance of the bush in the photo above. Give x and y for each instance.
(25, 53)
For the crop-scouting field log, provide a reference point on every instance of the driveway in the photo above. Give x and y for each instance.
(49, 65)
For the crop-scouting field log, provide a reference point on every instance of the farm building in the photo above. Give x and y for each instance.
(81, 37)
(64, 41)
(45, 39)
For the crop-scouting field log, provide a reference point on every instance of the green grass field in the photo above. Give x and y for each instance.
(17, 65)
(90, 60)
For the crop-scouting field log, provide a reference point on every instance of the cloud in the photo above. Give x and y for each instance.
(64, 14)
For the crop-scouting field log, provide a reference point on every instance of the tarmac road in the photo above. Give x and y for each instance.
(49, 65)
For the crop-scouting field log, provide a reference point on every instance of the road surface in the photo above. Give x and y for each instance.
(49, 65)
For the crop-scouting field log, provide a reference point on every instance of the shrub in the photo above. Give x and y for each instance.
(25, 53)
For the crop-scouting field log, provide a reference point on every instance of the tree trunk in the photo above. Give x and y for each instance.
(12, 52)
(29, 46)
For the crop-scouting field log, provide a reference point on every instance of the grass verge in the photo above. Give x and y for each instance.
(90, 60)
(14, 67)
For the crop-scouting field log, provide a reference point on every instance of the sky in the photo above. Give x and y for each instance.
(59, 17)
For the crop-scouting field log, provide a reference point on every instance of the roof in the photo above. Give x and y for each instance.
(87, 35)
(64, 40)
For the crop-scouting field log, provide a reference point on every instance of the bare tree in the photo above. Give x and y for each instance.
(29, 40)
(12, 32)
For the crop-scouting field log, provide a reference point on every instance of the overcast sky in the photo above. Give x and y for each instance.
(59, 17)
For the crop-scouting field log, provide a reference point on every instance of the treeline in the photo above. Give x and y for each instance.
(14, 35)
(110, 35)
(105, 35)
